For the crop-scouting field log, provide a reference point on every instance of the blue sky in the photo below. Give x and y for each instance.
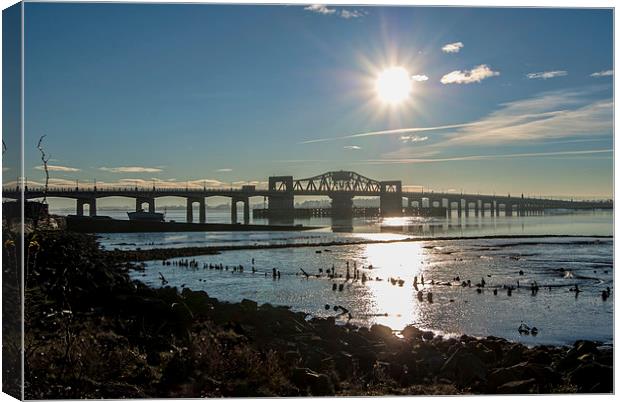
(504, 100)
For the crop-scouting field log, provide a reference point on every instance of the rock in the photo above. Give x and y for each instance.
(153, 359)
(428, 335)
(464, 368)
(410, 332)
(249, 305)
(517, 387)
(381, 331)
(514, 355)
(523, 371)
(306, 379)
(591, 375)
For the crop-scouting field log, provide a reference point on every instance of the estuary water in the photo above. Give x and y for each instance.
(553, 266)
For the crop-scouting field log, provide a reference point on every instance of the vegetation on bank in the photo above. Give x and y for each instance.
(91, 332)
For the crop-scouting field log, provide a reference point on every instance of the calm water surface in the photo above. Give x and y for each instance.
(555, 264)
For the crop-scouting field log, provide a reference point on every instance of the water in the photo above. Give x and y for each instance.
(555, 264)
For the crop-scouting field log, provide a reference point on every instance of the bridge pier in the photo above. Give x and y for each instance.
(342, 206)
(143, 200)
(391, 198)
(508, 209)
(92, 206)
(246, 211)
(281, 205)
(477, 208)
(482, 205)
(202, 210)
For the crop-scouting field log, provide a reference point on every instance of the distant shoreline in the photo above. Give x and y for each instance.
(164, 253)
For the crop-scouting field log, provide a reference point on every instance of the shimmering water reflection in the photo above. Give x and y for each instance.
(555, 264)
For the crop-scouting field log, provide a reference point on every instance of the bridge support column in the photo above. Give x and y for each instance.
(202, 211)
(508, 209)
(281, 201)
(233, 211)
(92, 209)
(92, 206)
(246, 211)
(460, 207)
(149, 201)
(467, 208)
(477, 208)
(391, 198)
(482, 208)
(342, 206)
(79, 207)
(189, 212)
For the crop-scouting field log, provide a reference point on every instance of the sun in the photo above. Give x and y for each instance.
(393, 85)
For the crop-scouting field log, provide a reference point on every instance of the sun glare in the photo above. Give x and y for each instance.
(393, 85)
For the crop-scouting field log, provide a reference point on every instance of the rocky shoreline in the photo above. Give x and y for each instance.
(93, 333)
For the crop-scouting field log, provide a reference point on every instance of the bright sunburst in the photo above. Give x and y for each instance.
(393, 85)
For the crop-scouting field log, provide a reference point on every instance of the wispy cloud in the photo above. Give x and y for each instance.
(485, 157)
(320, 9)
(476, 74)
(452, 47)
(412, 138)
(342, 13)
(348, 14)
(224, 170)
(388, 132)
(605, 73)
(419, 78)
(58, 168)
(130, 169)
(546, 74)
(352, 147)
(547, 116)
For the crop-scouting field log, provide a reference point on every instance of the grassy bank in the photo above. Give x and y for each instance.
(91, 333)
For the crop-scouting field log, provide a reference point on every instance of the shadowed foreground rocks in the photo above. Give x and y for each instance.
(92, 333)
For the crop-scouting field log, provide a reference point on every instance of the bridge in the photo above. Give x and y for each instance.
(340, 186)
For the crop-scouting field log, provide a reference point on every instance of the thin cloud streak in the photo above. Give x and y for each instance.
(57, 168)
(130, 169)
(484, 157)
(390, 132)
(605, 73)
(547, 74)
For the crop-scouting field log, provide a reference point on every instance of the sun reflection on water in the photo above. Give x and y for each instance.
(400, 303)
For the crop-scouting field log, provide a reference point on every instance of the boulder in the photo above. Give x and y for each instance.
(464, 368)
(517, 387)
(316, 383)
(592, 375)
(523, 371)
(411, 333)
(381, 331)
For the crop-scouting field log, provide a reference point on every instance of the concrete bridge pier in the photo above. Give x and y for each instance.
(391, 198)
(482, 208)
(342, 206)
(460, 208)
(149, 201)
(282, 205)
(508, 209)
(246, 211)
(202, 210)
(92, 206)
(477, 208)
(233, 210)
(467, 208)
